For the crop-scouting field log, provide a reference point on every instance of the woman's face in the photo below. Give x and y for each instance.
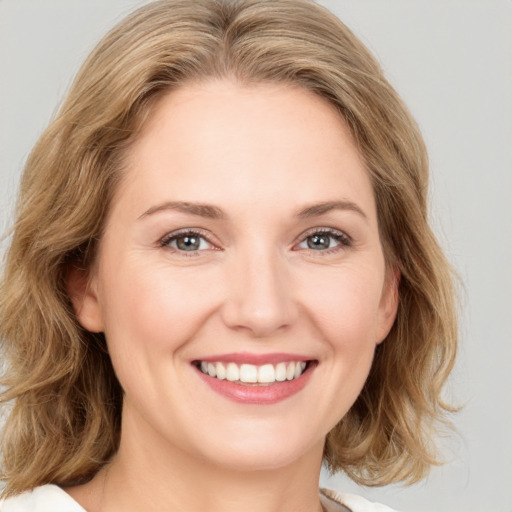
(240, 281)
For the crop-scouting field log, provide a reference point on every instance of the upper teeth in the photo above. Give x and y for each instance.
(250, 373)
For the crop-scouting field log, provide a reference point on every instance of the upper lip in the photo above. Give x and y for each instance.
(255, 359)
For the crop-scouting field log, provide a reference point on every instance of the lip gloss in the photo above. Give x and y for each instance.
(260, 394)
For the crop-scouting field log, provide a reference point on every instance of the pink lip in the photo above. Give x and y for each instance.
(257, 394)
(256, 359)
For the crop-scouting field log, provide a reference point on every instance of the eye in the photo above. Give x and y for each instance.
(186, 241)
(325, 240)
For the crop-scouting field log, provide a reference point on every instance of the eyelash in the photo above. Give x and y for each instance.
(171, 237)
(344, 241)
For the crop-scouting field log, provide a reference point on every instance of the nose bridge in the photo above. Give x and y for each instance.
(260, 293)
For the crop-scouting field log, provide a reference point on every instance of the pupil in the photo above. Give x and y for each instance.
(188, 243)
(318, 242)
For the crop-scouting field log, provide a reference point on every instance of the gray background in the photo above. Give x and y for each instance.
(452, 62)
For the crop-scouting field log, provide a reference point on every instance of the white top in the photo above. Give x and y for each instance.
(51, 498)
(334, 501)
(47, 498)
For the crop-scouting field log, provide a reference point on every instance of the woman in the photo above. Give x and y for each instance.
(222, 275)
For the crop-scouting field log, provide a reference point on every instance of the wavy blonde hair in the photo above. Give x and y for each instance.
(65, 401)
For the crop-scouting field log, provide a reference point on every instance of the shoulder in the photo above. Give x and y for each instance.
(47, 498)
(343, 502)
(50, 498)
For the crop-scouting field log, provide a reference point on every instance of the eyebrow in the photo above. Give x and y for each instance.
(214, 212)
(315, 210)
(199, 209)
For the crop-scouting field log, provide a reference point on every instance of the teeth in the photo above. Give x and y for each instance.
(266, 373)
(281, 372)
(221, 371)
(248, 373)
(232, 372)
(252, 374)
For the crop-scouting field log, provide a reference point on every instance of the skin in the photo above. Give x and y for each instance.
(259, 154)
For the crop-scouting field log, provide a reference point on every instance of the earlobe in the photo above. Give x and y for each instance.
(81, 288)
(389, 304)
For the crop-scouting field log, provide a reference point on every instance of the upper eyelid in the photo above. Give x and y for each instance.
(325, 230)
(344, 241)
(184, 231)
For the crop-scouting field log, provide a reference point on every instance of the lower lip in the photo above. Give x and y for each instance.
(254, 394)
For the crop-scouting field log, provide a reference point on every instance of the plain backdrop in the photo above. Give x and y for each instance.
(451, 61)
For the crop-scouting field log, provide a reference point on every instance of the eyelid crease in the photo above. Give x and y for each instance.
(344, 241)
(166, 239)
(335, 233)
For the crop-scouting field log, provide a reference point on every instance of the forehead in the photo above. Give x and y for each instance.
(220, 141)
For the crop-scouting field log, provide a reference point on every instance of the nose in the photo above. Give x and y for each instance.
(260, 297)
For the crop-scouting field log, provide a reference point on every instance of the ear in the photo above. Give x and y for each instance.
(82, 290)
(388, 306)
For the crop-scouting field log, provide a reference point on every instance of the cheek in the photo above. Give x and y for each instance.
(345, 313)
(153, 309)
(345, 307)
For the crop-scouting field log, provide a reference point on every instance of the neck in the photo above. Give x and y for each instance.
(153, 477)
(194, 485)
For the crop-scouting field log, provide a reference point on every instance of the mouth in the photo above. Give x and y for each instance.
(254, 375)
(263, 381)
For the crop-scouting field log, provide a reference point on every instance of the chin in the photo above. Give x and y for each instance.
(263, 452)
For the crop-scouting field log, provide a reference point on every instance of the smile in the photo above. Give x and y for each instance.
(253, 374)
(256, 379)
